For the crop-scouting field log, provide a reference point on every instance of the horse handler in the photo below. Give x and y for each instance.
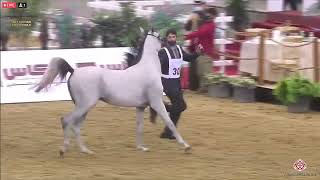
(171, 57)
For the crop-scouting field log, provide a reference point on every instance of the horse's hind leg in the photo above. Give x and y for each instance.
(70, 120)
(76, 128)
(66, 136)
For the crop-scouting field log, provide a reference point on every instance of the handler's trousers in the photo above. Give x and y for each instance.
(177, 106)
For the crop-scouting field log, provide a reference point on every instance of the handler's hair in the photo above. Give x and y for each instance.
(171, 31)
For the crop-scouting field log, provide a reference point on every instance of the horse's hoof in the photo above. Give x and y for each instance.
(187, 149)
(87, 151)
(144, 149)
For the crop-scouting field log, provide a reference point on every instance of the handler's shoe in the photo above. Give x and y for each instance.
(166, 136)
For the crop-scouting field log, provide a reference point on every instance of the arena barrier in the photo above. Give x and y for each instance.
(20, 70)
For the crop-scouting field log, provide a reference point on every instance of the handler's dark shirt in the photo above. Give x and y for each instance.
(172, 83)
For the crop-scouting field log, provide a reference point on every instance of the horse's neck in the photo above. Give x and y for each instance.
(150, 59)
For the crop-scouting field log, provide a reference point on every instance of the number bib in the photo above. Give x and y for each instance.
(174, 65)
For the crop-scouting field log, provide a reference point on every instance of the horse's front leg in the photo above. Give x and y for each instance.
(139, 133)
(159, 107)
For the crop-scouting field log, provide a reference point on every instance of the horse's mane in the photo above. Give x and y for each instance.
(136, 51)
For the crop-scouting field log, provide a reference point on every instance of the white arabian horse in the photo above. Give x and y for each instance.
(138, 86)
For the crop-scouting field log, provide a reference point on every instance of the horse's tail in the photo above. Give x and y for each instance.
(57, 66)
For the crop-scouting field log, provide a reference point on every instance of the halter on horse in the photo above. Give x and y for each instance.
(138, 86)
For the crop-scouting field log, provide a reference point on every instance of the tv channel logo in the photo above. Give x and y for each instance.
(13, 5)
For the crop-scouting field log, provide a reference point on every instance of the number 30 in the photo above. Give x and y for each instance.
(176, 71)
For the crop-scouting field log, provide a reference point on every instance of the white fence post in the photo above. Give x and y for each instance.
(221, 22)
(222, 48)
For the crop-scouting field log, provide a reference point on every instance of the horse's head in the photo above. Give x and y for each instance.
(153, 40)
(149, 41)
(134, 56)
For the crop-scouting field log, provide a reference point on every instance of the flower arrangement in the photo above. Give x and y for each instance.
(219, 78)
(243, 82)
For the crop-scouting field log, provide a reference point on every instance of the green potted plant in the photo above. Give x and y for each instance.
(243, 89)
(238, 9)
(218, 85)
(297, 93)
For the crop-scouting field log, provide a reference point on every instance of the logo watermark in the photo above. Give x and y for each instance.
(13, 5)
(300, 167)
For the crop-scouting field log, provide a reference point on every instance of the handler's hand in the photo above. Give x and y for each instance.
(199, 49)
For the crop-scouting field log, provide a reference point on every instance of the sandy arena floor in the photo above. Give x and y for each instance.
(230, 141)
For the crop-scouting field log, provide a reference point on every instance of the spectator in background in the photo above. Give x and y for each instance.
(193, 21)
(205, 37)
(193, 25)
